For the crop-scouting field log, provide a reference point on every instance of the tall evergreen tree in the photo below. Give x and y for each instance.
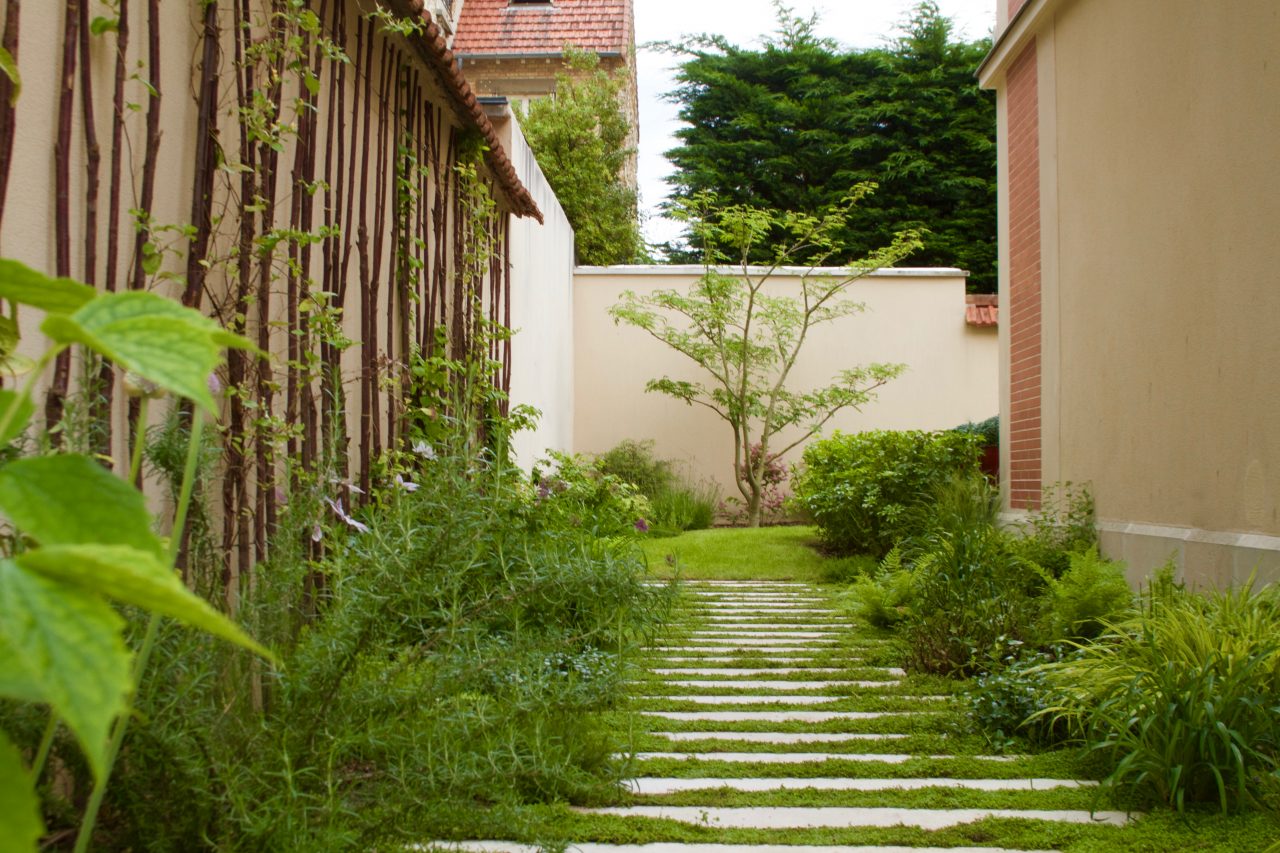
(793, 125)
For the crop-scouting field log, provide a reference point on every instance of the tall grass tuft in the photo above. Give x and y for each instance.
(1184, 698)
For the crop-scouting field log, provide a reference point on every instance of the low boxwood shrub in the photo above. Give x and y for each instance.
(860, 489)
(1183, 700)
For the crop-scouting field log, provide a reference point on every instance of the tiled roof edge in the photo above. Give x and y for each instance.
(431, 47)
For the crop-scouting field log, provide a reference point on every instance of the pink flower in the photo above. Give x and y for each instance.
(355, 525)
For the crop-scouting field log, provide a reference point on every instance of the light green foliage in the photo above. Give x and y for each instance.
(154, 337)
(87, 534)
(580, 139)
(1181, 699)
(62, 647)
(1062, 526)
(861, 489)
(20, 823)
(675, 505)
(466, 646)
(575, 493)
(883, 597)
(745, 338)
(635, 462)
(1091, 594)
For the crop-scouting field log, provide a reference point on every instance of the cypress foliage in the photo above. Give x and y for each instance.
(792, 125)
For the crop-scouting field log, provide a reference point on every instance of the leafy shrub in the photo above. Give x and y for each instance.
(1007, 702)
(633, 462)
(453, 653)
(973, 596)
(573, 492)
(1063, 525)
(1182, 698)
(988, 430)
(1091, 593)
(859, 489)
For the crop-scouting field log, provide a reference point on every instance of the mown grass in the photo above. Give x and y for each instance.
(739, 553)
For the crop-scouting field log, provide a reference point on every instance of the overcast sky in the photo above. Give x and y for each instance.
(853, 23)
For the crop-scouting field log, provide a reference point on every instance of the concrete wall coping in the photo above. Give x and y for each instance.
(697, 270)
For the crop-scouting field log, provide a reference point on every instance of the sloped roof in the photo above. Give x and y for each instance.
(982, 309)
(505, 28)
(430, 45)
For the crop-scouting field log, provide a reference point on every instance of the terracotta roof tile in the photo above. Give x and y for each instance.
(981, 309)
(501, 27)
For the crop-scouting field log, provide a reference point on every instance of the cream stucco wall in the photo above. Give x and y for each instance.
(1160, 209)
(916, 317)
(541, 261)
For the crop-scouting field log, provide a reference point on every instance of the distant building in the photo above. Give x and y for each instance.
(1139, 210)
(515, 48)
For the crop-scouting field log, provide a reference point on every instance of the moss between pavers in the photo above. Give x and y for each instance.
(1055, 765)
(1159, 832)
(1084, 799)
(922, 744)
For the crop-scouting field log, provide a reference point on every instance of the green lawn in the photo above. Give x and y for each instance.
(740, 553)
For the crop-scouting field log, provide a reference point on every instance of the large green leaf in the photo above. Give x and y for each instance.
(72, 500)
(116, 307)
(23, 409)
(164, 350)
(134, 577)
(20, 822)
(63, 646)
(28, 287)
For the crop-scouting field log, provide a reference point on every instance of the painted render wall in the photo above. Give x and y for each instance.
(541, 258)
(913, 316)
(1160, 204)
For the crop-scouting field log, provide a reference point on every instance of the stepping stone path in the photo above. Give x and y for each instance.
(763, 687)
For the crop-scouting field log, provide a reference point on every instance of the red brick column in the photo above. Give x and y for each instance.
(1024, 281)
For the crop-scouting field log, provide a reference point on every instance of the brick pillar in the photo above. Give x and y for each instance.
(1024, 282)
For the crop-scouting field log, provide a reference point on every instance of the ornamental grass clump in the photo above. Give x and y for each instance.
(1183, 700)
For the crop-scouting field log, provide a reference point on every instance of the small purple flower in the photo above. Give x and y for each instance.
(215, 384)
(336, 506)
(642, 525)
(317, 533)
(426, 451)
(407, 485)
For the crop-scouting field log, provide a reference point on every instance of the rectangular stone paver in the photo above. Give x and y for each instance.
(807, 757)
(779, 685)
(794, 817)
(652, 785)
(676, 847)
(777, 737)
(773, 716)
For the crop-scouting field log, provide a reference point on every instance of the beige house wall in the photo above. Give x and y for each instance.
(1160, 209)
(913, 316)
